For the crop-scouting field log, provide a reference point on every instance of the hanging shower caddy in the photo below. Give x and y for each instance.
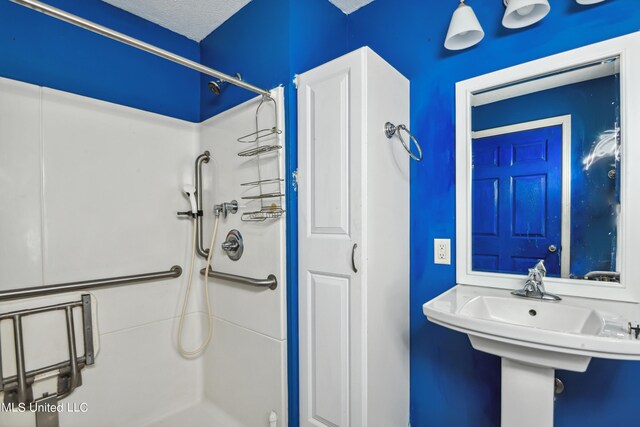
(269, 190)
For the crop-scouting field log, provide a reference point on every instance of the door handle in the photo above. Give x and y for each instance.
(353, 258)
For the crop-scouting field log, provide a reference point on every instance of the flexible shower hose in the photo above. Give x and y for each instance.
(205, 343)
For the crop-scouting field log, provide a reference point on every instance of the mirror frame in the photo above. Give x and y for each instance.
(627, 48)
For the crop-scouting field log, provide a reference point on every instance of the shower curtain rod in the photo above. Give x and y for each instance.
(123, 38)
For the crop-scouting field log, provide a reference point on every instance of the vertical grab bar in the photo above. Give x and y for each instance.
(73, 356)
(87, 329)
(21, 373)
(1, 371)
(202, 158)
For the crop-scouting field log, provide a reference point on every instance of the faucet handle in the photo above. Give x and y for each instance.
(534, 275)
(540, 268)
(534, 286)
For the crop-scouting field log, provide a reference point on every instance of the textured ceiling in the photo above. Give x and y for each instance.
(348, 6)
(196, 19)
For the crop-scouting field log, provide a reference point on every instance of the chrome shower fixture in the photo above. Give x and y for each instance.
(225, 208)
(233, 245)
(217, 85)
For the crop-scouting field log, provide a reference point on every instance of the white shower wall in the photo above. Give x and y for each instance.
(90, 190)
(245, 366)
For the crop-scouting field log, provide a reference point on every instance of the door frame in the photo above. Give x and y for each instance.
(565, 224)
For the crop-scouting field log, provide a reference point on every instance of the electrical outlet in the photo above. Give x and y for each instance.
(442, 251)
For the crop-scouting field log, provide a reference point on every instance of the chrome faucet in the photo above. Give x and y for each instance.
(533, 287)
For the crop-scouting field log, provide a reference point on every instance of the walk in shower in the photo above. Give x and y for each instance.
(142, 267)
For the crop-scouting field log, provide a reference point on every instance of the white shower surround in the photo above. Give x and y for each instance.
(99, 185)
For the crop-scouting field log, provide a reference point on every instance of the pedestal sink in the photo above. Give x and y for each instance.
(534, 338)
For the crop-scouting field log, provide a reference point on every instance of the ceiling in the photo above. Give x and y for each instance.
(196, 19)
(348, 6)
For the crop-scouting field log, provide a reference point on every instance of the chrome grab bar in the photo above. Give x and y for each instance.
(36, 291)
(202, 158)
(270, 282)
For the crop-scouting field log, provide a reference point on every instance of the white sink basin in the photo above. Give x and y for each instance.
(556, 317)
(561, 335)
(534, 338)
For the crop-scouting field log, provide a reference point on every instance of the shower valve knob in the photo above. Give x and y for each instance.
(230, 245)
(233, 245)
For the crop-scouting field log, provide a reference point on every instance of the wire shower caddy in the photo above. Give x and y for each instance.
(265, 140)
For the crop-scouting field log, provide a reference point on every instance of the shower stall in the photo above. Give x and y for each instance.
(108, 214)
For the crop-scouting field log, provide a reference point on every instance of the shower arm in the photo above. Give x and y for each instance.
(138, 44)
(202, 158)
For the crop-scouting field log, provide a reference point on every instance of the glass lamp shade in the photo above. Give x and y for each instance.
(464, 29)
(589, 1)
(521, 13)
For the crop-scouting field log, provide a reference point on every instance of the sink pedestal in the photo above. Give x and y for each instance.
(535, 338)
(527, 395)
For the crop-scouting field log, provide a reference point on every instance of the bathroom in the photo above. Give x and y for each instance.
(98, 149)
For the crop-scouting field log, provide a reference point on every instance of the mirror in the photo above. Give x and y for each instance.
(545, 174)
(546, 155)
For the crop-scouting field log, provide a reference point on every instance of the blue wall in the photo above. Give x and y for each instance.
(253, 42)
(451, 384)
(268, 42)
(41, 50)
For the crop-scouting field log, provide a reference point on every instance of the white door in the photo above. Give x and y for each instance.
(330, 208)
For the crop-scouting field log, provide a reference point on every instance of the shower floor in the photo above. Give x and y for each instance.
(202, 414)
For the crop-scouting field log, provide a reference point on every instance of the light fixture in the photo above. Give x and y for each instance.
(464, 29)
(521, 13)
(589, 1)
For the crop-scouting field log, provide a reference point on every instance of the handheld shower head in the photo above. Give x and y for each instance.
(190, 192)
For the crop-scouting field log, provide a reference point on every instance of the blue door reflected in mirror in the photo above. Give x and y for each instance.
(517, 206)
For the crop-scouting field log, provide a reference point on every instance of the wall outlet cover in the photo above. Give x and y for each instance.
(442, 251)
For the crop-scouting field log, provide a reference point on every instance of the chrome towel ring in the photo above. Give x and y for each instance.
(390, 129)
